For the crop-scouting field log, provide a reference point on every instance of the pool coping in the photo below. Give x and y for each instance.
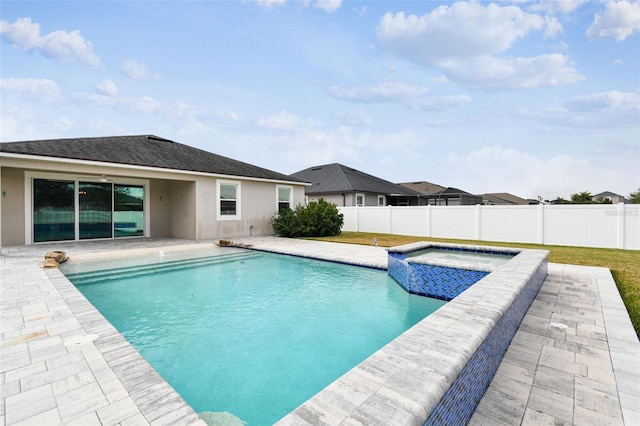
(31, 303)
(406, 380)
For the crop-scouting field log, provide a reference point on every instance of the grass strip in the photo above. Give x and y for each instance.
(624, 264)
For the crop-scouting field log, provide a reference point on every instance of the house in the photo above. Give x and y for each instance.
(133, 186)
(345, 186)
(609, 196)
(436, 195)
(503, 198)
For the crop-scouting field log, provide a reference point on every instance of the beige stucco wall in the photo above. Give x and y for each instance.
(12, 206)
(180, 205)
(258, 204)
(183, 210)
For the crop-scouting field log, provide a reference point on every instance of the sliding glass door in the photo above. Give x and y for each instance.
(78, 210)
(53, 210)
(95, 202)
(128, 214)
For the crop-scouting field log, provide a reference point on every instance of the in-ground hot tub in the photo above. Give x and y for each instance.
(437, 371)
(443, 271)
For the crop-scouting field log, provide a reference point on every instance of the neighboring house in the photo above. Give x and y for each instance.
(436, 195)
(503, 198)
(609, 196)
(345, 186)
(133, 186)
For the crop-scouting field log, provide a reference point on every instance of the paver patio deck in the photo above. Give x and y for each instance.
(574, 360)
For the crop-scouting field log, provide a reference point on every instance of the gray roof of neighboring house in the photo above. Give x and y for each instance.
(423, 187)
(504, 198)
(141, 150)
(336, 178)
(608, 194)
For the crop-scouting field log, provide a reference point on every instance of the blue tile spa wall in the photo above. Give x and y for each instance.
(461, 399)
(440, 282)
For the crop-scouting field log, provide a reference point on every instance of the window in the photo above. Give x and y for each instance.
(381, 200)
(284, 197)
(359, 200)
(228, 200)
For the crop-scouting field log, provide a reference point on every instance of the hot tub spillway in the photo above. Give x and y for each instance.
(441, 277)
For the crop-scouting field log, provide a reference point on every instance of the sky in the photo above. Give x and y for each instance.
(532, 97)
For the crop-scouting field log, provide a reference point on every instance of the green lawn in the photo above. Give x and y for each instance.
(624, 264)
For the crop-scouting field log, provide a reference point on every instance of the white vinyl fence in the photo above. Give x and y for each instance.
(592, 225)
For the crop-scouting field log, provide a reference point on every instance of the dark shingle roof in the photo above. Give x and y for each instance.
(335, 178)
(141, 150)
(423, 187)
(504, 198)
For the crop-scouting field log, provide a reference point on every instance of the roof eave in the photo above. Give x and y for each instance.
(62, 160)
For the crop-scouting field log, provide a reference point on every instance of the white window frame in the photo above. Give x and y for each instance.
(383, 199)
(278, 188)
(363, 200)
(238, 185)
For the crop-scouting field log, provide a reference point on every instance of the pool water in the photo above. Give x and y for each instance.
(253, 334)
(460, 256)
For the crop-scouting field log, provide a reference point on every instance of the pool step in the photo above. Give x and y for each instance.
(164, 266)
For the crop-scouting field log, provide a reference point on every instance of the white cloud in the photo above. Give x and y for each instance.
(612, 100)
(464, 39)
(136, 70)
(61, 45)
(440, 103)
(143, 104)
(286, 121)
(328, 6)
(269, 3)
(618, 61)
(383, 92)
(527, 175)
(35, 89)
(190, 118)
(554, 6)
(354, 117)
(619, 20)
(457, 31)
(489, 73)
(107, 87)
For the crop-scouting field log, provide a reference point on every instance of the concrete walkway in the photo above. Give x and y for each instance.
(574, 360)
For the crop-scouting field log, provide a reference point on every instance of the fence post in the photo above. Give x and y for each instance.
(478, 223)
(357, 218)
(428, 221)
(541, 224)
(390, 221)
(621, 214)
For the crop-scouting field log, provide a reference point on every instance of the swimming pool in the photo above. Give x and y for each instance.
(253, 334)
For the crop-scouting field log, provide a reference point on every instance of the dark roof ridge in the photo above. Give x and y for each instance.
(142, 150)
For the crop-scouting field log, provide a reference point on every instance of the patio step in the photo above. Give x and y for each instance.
(82, 278)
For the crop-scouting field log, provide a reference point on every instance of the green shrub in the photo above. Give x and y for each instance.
(318, 219)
